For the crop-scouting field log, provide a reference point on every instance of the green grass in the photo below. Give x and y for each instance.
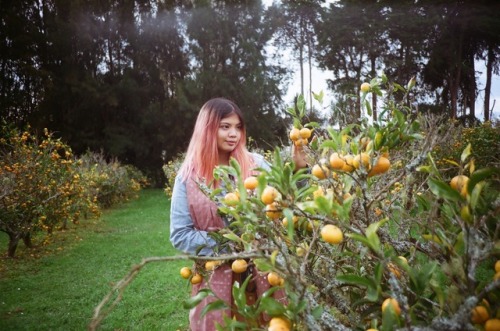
(57, 286)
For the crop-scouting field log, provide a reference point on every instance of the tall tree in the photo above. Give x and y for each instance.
(228, 44)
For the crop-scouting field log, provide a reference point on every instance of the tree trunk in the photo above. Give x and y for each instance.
(27, 240)
(13, 241)
(487, 89)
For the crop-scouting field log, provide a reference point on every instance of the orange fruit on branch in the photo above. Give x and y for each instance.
(185, 272)
(393, 303)
(381, 166)
(251, 183)
(239, 266)
(332, 234)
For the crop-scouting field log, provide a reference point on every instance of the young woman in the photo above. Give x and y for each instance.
(218, 135)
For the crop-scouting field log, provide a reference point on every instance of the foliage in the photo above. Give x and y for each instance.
(406, 232)
(41, 189)
(110, 182)
(44, 186)
(484, 140)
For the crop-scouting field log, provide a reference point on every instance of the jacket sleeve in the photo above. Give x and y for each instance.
(183, 235)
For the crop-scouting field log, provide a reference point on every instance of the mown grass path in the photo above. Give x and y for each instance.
(57, 286)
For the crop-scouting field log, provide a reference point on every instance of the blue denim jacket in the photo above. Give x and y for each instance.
(183, 235)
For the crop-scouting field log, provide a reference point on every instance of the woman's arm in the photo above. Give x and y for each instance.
(183, 235)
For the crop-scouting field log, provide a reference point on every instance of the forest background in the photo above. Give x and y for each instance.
(128, 77)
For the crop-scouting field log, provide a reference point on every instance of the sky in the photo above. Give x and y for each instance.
(320, 77)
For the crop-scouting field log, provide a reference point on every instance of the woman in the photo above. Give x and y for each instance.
(219, 134)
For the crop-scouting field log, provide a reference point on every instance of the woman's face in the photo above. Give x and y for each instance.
(229, 134)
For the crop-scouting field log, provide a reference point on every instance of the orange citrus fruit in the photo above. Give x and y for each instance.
(269, 195)
(459, 183)
(383, 165)
(497, 266)
(211, 265)
(274, 279)
(196, 279)
(305, 133)
(336, 162)
(492, 324)
(479, 315)
(273, 210)
(320, 171)
(251, 183)
(349, 163)
(394, 303)
(231, 199)
(294, 134)
(239, 266)
(332, 234)
(185, 272)
(365, 87)
(279, 324)
(362, 159)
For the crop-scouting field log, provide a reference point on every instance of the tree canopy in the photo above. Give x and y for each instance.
(128, 77)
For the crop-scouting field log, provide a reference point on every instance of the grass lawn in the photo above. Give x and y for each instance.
(57, 286)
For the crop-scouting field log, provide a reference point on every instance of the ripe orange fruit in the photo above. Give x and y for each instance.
(349, 163)
(274, 279)
(383, 165)
(497, 266)
(294, 134)
(459, 183)
(362, 159)
(497, 276)
(251, 183)
(185, 272)
(305, 133)
(479, 315)
(301, 142)
(320, 171)
(211, 265)
(394, 303)
(269, 195)
(492, 324)
(336, 162)
(279, 324)
(365, 87)
(332, 234)
(239, 266)
(196, 279)
(231, 199)
(273, 210)
(371, 329)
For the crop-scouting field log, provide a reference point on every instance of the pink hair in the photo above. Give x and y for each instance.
(202, 155)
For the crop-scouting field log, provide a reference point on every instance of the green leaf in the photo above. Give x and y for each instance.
(215, 305)
(356, 280)
(196, 299)
(272, 307)
(466, 152)
(443, 190)
(232, 236)
(480, 175)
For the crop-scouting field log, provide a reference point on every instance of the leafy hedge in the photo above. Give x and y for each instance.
(44, 186)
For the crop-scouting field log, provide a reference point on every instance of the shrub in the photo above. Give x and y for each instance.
(41, 190)
(407, 236)
(109, 182)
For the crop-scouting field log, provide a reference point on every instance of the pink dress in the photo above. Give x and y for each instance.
(204, 214)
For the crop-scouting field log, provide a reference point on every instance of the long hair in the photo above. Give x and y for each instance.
(202, 155)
